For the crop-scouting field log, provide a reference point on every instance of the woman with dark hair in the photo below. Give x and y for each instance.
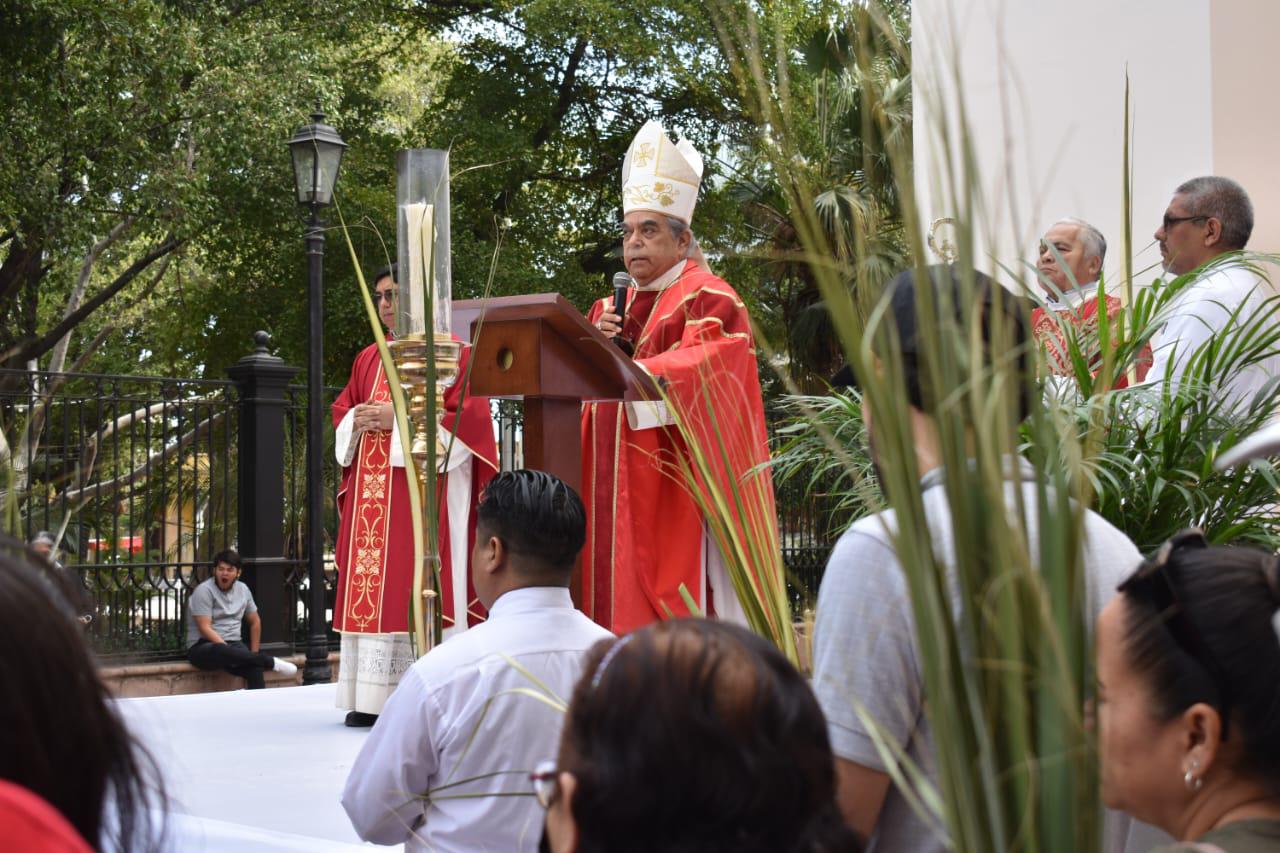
(692, 735)
(59, 737)
(1189, 696)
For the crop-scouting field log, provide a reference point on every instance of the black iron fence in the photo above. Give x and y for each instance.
(139, 479)
(135, 478)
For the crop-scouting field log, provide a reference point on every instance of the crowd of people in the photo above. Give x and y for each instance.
(535, 727)
(697, 735)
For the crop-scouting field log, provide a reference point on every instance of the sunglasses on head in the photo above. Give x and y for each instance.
(1151, 582)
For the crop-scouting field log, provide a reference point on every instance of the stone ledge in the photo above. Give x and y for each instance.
(177, 677)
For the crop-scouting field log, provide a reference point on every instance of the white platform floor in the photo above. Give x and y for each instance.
(251, 770)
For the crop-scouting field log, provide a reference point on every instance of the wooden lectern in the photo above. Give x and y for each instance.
(540, 349)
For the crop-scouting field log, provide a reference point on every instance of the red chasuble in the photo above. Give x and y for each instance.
(644, 528)
(375, 540)
(1084, 318)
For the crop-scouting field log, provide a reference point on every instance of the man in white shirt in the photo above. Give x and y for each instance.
(1208, 221)
(1070, 261)
(447, 765)
(865, 651)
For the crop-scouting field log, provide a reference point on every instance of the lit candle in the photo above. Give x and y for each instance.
(419, 221)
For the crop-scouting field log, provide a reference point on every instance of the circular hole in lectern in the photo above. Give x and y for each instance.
(506, 358)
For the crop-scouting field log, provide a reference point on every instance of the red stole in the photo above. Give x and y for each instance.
(375, 538)
(644, 528)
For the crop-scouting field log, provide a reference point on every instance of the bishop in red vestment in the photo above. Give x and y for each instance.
(646, 536)
(375, 539)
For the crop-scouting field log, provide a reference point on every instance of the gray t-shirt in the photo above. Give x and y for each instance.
(226, 609)
(864, 649)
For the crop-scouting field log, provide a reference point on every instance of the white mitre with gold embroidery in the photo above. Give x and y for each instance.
(660, 176)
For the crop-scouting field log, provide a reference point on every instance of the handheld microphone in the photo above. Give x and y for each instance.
(621, 281)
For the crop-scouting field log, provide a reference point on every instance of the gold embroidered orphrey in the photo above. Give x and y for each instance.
(367, 557)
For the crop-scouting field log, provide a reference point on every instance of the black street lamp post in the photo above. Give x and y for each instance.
(317, 153)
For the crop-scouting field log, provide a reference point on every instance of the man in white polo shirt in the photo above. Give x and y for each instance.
(1205, 229)
(446, 766)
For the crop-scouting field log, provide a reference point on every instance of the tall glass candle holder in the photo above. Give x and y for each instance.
(425, 352)
(422, 242)
(423, 253)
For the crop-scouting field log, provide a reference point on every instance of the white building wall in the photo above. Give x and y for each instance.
(1246, 127)
(1043, 86)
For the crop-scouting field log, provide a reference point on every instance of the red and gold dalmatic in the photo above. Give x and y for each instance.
(375, 537)
(1046, 326)
(645, 533)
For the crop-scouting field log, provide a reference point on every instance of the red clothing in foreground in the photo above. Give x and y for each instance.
(644, 528)
(375, 538)
(30, 824)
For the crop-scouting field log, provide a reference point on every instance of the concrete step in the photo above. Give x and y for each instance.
(177, 677)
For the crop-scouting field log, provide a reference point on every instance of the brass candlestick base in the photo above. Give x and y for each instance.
(410, 355)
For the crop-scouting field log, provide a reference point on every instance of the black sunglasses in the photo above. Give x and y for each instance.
(1151, 582)
(1170, 221)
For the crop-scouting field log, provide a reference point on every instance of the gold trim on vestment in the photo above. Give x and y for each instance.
(590, 570)
(613, 539)
(644, 338)
(719, 322)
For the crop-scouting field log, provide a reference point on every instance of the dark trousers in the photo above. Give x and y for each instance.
(234, 657)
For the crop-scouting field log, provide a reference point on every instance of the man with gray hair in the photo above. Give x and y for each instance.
(1206, 225)
(1069, 266)
(651, 551)
(1070, 261)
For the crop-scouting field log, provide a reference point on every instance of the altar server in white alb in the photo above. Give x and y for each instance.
(447, 765)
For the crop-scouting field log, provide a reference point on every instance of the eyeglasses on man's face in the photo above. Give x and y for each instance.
(388, 296)
(1169, 221)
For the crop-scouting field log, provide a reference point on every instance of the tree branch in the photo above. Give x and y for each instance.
(59, 357)
(95, 490)
(564, 100)
(39, 346)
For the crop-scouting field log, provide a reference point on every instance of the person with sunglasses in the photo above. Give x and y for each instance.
(691, 735)
(1189, 696)
(1205, 228)
(374, 552)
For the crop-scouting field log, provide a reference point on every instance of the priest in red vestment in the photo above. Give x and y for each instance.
(1071, 256)
(375, 537)
(646, 537)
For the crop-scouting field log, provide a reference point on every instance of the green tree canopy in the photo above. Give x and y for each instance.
(146, 196)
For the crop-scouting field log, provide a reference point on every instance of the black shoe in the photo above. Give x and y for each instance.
(360, 720)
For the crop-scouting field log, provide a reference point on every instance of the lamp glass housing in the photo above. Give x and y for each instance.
(317, 155)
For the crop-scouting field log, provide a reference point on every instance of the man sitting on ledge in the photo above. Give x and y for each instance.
(446, 766)
(214, 614)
